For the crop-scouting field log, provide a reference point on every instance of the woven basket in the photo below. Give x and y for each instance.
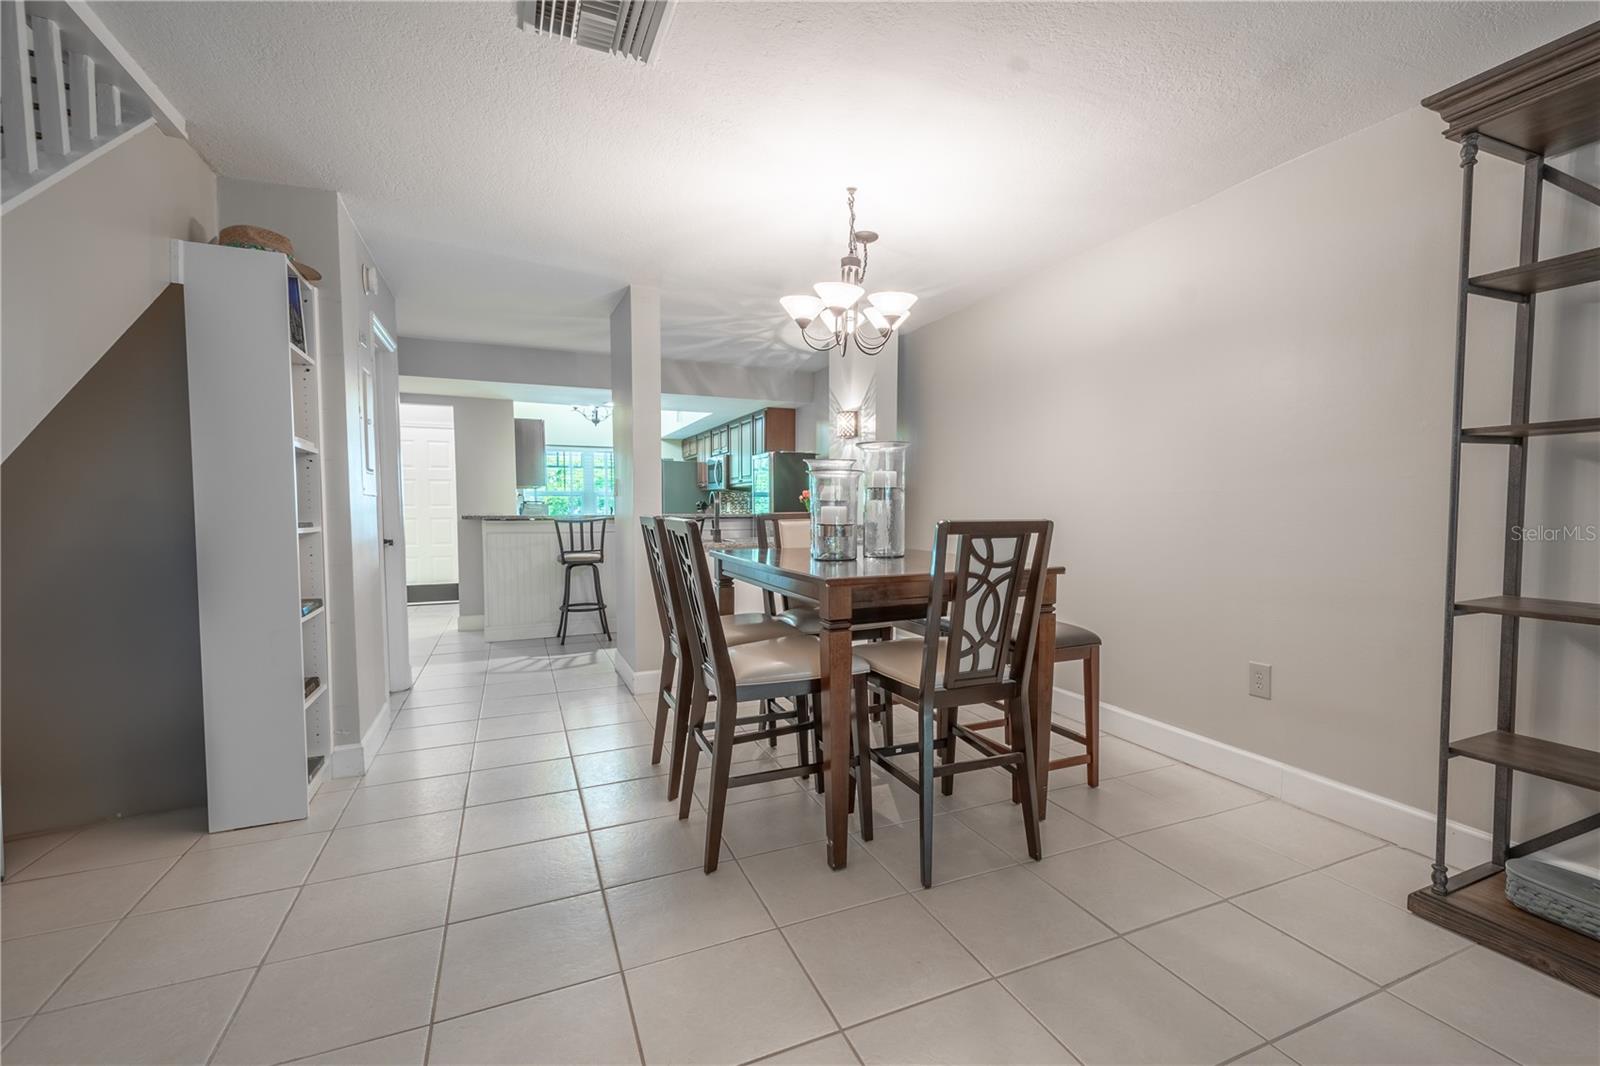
(1555, 894)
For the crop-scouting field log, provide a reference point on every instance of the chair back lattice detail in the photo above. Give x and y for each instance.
(580, 535)
(996, 565)
(691, 573)
(649, 526)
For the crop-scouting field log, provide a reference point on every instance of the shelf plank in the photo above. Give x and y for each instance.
(1575, 611)
(308, 617)
(1530, 755)
(316, 694)
(303, 530)
(1547, 274)
(304, 447)
(1482, 913)
(298, 355)
(1510, 434)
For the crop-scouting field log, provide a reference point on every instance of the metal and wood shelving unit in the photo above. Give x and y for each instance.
(255, 423)
(1541, 104)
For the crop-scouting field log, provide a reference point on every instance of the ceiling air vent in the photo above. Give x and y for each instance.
(630, 28)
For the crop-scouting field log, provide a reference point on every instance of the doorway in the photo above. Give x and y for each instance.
(428, 499)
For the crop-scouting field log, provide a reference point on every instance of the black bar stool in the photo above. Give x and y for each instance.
(581, 542)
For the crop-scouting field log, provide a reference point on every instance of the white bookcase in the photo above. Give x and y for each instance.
(255, 426)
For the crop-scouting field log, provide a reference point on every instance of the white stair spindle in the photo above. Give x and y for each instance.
(16, 93)
(84, 98)
(110, 98)
(51, 87)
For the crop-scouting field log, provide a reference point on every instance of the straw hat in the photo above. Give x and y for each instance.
(264, 240)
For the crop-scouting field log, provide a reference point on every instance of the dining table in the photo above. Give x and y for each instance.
(872, 593)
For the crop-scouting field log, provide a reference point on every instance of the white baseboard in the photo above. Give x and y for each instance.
(353, 760)
(1409, 827)
(639, 682)
(469, 621)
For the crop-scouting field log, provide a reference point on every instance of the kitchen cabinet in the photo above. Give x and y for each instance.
(691, 447)
(769, 430)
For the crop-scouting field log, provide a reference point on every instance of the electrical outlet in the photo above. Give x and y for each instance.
(1261, 681)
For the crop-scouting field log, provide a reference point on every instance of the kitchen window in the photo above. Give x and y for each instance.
(577, 481)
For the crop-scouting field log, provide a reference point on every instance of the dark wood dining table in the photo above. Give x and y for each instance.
(868, 592)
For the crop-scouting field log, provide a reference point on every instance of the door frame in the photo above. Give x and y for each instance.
(391, 518)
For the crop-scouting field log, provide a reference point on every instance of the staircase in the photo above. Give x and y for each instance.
(68, 90)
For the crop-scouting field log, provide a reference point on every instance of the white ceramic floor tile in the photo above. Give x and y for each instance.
(500, 703)
(870, 960)
(1118, 807)
(1516, 1010)
(120, 843)
(410, 765)
(164, 948)
(1110, 1004)
(429, 716)
(32, 968)
(521, 821)
(325, 809)
(29, 907)
(521, 953)
(957, 852)
(797, 884)
(628, 801)
(319, 1002)
(519, 725)
(1305, 838)
(1122, 887)
(1198, 791)
(979, 1026)
(354, 910)
(1209, 855)
(832, 1050)
(203, 876)
(585, 1024)
(409, 1048)
(1378, 941)
(683, 912)
(537, 683)
(488, 754)
(624, 764)
(610, 737)
(1390, 874)
(600, 714)
(764, 1003)
(176, 1024)
(517, 782)
(1010, 919)
(21, 852)
(770, 824)
(1001, 825)
(639, 850)
(438, 697)
(521, 876)
(1383, 1031)
(404, 799)
(597, 697)
(430, 736)
(363, 849)
(1262, 977)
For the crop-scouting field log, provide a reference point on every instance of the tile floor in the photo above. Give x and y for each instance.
(508, 884)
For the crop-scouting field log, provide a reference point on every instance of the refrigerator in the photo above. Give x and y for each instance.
(776, 481)
(680, 487)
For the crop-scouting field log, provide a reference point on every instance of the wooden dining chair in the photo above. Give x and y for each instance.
(987, 657)
(786, 667)
(673, 692)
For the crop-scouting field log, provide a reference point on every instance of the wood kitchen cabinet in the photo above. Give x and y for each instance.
(769, 430)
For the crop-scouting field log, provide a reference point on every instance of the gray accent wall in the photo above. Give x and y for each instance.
(101, 686)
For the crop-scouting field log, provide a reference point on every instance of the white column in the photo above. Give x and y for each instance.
(868, 385)
(636, 436)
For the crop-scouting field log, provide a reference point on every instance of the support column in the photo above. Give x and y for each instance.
(636, 436)
(870, 386)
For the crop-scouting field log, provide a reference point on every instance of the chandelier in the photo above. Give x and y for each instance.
(837, 305)
(596, 414)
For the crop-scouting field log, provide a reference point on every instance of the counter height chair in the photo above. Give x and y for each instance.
(787, 667)
(676, 678)
(986, 658)
(581, 542)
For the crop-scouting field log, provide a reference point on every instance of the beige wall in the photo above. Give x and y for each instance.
(1238, 418)
(84, 258)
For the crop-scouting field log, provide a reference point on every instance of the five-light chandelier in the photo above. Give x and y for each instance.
(837, 305)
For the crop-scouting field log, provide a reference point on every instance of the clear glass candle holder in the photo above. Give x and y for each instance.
(883, 503)
(835, 508)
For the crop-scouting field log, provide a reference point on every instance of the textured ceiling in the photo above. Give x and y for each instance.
(510, 185)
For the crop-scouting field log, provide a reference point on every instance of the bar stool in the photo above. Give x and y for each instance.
(581, 542)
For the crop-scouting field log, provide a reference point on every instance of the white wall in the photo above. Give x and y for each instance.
(84, 259)
(1238, 418)
(486, 481)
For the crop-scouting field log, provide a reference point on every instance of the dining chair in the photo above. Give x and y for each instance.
(987, 657)
(673, 692)
(731, 674)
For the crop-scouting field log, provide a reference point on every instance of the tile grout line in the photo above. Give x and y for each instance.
(444, 938)
(611, 927)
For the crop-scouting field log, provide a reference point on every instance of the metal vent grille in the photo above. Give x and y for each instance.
(631, 28)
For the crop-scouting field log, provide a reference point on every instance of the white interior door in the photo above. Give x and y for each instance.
(428, 492)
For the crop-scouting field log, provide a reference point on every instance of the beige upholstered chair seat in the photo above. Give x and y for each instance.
(583, 557)
(804, 619)
(751, 627)
(1067, 634)
(900, 659)
(786, 659)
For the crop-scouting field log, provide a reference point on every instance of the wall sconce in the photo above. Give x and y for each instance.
(846, 425)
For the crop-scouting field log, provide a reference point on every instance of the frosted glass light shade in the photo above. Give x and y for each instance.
(801, 308)
(838, 295)
(879, 323)
(893, 305)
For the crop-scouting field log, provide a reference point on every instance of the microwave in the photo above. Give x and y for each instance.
(716, 473)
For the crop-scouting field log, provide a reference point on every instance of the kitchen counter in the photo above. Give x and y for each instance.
(530, 517)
